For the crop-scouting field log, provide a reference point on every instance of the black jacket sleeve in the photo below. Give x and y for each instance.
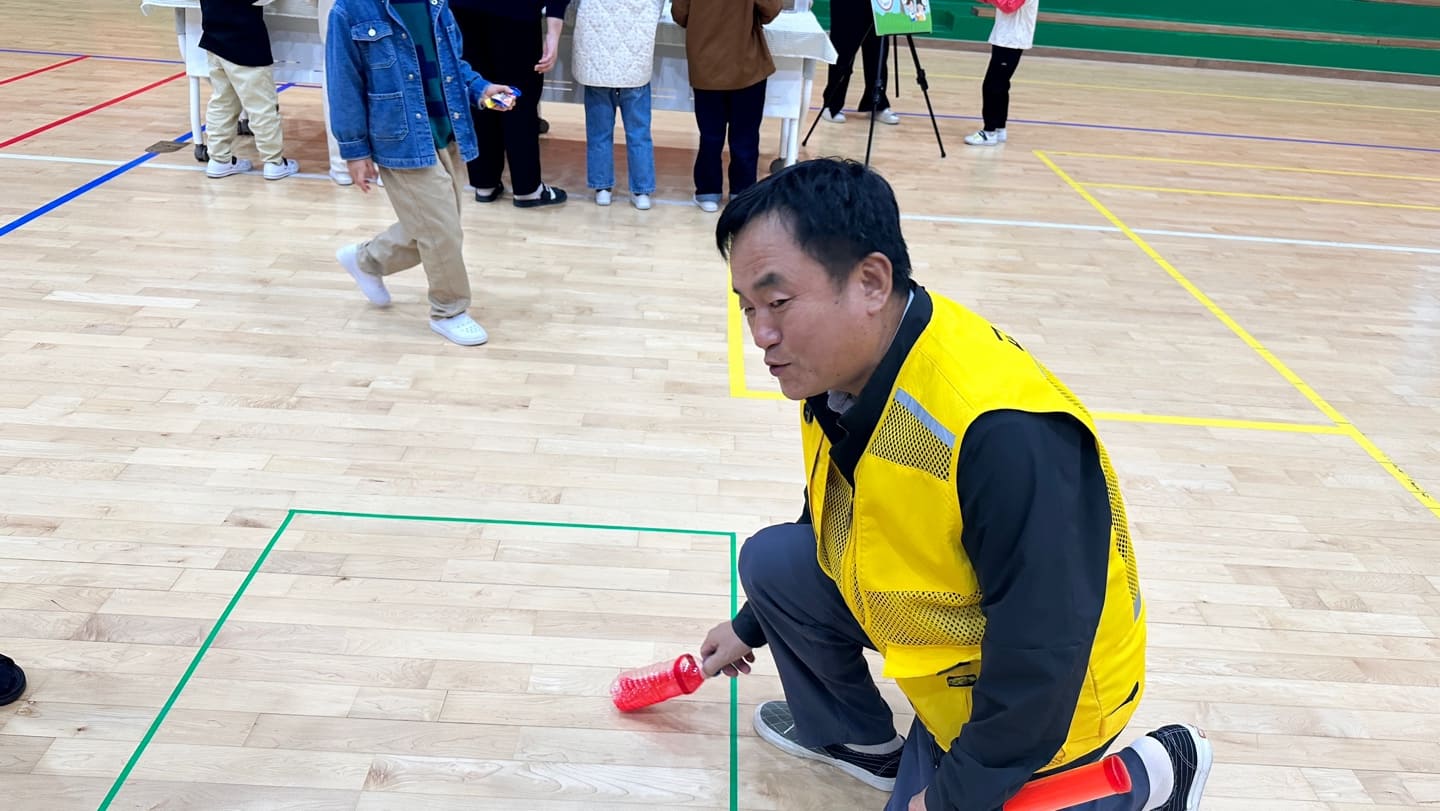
(1036, 516)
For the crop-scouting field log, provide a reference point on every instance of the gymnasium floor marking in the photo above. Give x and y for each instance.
(1258, 196)
(164, 711)
(87, 111)
(1412, 486)
(45, 69)
(1249, 166)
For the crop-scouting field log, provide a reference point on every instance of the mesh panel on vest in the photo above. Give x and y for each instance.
(905, 440)
(1117, 502)
(925, 617)
(835, 522)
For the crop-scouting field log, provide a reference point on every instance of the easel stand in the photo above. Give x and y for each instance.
(879, 88)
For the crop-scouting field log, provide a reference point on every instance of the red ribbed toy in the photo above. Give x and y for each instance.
(646, 686)
(1075, 787)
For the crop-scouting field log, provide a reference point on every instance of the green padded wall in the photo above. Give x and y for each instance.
(954, 20)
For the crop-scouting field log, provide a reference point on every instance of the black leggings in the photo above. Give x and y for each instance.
(996, 89)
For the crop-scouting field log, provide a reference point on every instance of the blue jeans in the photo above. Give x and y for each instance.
(634, 104)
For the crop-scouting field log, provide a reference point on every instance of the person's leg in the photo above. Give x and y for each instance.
(221, 116)
(849, 22)
(256, 88)
(481, 51)
(524, 45)
(876, 52)
(918, 762)
(639, 146)
(817, 645)
(599, 138)
(710, 118)
(747, 111)
(995, 90)
(339, 170)
(427, 232)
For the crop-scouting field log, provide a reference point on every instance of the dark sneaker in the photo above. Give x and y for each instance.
(1191, 757)
(774, 723)
(12, 681)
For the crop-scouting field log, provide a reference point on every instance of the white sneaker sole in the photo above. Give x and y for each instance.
(789, 747)
(1204, 760)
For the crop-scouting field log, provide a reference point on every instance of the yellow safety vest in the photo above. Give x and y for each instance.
(892, 542)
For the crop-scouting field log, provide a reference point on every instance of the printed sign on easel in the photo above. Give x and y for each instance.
(901, 16)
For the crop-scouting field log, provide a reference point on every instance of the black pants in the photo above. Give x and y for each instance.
(852, 28)
(505, 51)
(738, 113)
(995, 91)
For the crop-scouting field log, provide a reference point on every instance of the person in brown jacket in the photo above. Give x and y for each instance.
(729, 63)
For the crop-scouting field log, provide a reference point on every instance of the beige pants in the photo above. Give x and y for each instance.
(337, 163)
(235, 88)
(427, 203)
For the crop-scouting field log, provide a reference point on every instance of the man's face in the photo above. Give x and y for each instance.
(817, 335)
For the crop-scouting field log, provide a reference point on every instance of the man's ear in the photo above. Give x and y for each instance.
(877, 280)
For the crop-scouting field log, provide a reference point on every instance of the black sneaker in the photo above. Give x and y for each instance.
(774, 723)
(1191, 757)
(12, 681)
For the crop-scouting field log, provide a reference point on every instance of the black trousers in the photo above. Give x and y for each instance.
(995, 90)
(505, 51)
(738, 114)
(852, 28)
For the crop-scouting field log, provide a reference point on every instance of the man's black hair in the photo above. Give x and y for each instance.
(838, 211)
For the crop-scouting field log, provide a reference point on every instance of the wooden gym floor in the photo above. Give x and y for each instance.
(266, 547)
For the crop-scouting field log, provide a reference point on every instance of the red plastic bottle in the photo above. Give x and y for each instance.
(1075, 787)
(642, 687)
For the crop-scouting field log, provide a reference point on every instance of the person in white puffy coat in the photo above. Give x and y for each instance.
(1012, 35)
(614, 56)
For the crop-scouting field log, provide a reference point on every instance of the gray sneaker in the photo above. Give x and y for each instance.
(774, 723)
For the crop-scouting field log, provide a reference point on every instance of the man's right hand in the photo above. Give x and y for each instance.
(363, 171)
(723, 652)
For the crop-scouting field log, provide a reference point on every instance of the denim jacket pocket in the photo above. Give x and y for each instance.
(387, 116)
(376, 41)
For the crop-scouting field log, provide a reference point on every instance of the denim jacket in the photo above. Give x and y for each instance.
(377, 97)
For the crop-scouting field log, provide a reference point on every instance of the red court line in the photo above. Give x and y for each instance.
(87, 111)
(42, 70)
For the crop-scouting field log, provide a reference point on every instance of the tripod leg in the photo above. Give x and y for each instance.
(925, 90)
(875, 90)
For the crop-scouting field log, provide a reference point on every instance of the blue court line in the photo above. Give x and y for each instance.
(23, 219)
(68, 196)
(1154, 131)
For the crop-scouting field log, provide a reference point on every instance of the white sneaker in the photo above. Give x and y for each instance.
(641, 201)
(708, 206)
(983, 138)
(887, 116)
(833, 118)
(1000, 133)
(236, 166)
(372, 286)
(602, 197)
(461, 329)
(285, 168)
(342, 177)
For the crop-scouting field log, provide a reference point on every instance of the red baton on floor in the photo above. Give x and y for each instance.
(1074, 787)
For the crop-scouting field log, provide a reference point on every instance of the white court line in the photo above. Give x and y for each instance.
(1306, 243)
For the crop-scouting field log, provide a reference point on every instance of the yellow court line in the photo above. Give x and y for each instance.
(1259, 166)
(1295, 380)
(735, 352)
(1258, 196)
(739, 388)
(1204, 94)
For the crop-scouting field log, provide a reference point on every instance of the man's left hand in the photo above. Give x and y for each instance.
(917, 803)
